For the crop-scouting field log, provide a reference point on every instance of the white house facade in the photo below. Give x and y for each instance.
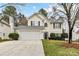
(4, 29)
(39, 27)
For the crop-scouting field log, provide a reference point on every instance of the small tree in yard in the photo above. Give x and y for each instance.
(70, 11)
(14, 36)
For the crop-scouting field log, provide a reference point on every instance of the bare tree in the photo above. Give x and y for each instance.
(70, 11)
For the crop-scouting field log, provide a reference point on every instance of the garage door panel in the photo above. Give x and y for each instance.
(30, 35)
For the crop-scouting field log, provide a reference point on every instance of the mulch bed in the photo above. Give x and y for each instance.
(71, 45)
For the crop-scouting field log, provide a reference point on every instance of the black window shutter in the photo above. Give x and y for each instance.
(38, 23)
(31, 23)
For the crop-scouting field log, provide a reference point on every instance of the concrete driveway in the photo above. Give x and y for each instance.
(22, 48)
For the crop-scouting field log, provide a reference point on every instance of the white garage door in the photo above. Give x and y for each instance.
(30, 35)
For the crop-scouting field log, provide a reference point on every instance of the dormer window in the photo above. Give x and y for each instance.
(45, 25)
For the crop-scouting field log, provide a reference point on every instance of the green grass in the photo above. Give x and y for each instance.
(55, 48)
(4, 40)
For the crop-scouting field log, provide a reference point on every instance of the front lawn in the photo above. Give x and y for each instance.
(4, 40)
(55, 48)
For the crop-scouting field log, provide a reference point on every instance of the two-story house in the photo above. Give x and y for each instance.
(5, 29)
(39, 27)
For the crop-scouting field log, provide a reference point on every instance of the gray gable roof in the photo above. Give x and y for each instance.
(59, 20)
(37, 14)
(5, 23)
(30, 27)
(53, 20)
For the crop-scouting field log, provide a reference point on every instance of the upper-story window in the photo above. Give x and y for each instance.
(32, 23)
(45, 25)
(35, 23)
(56, 25)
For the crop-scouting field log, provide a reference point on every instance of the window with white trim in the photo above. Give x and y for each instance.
(45, 25)
(32, 23)
(57, 25)
(35, 23)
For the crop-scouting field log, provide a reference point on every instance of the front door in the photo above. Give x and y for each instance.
(46, 35)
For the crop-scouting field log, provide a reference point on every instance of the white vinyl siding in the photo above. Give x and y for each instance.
(1, 24)
(4, 30)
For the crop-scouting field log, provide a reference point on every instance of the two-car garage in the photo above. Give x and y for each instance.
(30, 33)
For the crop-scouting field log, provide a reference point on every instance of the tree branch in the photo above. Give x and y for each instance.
(65, 7)
(61, 11)
(76, 16)
(70, 9)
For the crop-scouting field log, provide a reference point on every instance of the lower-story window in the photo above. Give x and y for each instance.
(45, 25)
(3, 34)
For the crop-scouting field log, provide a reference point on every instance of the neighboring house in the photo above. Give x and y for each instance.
(4, 29)
(22, 20)
(7, 27)
(39, 27)
(75, 32)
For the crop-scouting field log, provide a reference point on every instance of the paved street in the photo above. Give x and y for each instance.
(22, 48)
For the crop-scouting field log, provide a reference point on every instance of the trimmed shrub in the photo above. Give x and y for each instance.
(52, 35)
(14, 36)
(77, 40)
(56, 36)
(64, 35)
